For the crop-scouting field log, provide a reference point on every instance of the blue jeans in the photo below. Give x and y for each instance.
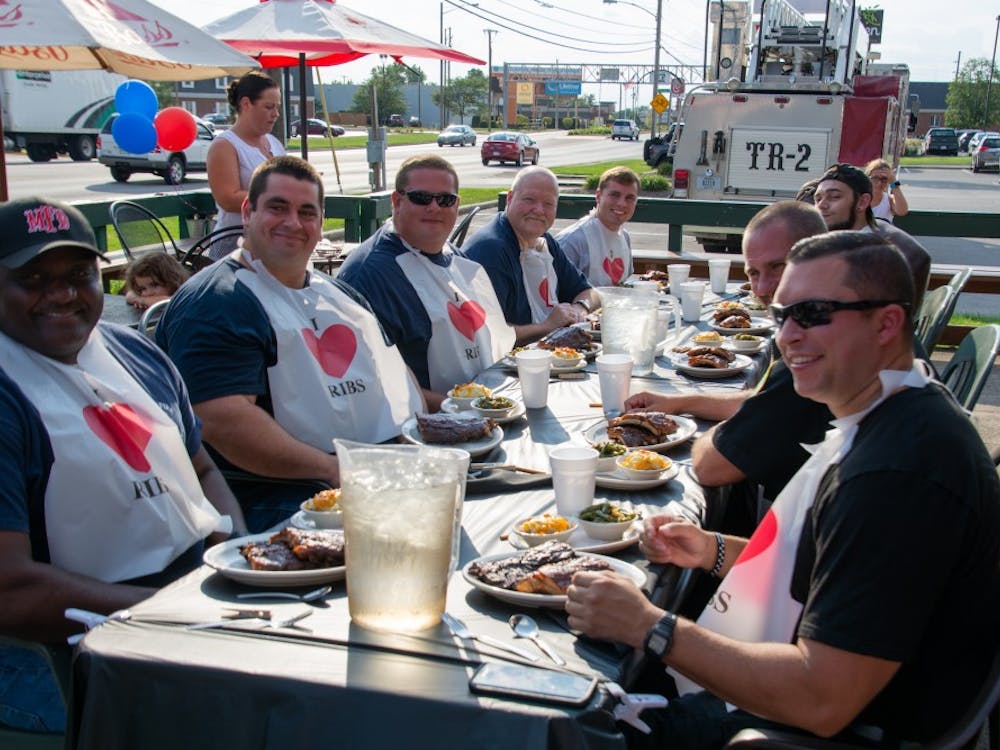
(29, 696)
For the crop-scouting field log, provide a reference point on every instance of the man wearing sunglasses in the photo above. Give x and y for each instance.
(870, 595)
(538, 286)
(437, 306)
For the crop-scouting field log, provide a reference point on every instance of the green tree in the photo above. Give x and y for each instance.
(465, 93)
(388, 82)
(166, 92)
(966, 99)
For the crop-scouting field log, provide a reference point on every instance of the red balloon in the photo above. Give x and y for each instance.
(175, 129)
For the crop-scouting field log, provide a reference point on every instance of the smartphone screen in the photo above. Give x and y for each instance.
(543, 685)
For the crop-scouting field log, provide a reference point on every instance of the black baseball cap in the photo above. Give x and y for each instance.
(851, 176)
(32, 226)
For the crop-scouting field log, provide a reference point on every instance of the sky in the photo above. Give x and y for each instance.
(928, 35)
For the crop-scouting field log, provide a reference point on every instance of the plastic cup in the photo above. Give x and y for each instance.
(718, 274)
(614, 372)
(692, 293)
(533, 372)
(662, 325)
(574, 469)
(678, 274)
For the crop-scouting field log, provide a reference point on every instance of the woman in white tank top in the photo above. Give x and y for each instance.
(236, 152)
(887, 196)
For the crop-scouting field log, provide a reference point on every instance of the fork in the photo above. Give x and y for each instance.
(461, 631)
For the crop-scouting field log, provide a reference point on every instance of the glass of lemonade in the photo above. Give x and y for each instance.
(400, 506)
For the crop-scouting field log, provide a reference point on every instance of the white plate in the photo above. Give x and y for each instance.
(757, 326)
(300, 521)
(735, 367)
(557, 366)
(757, 349)
(474, 447)
(552, 601)
(616, 480)
(450, 407)
(583, 543)
(226, 559)
(687, 427)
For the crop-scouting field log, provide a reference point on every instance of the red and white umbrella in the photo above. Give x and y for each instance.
(131, 37)
(286, 33)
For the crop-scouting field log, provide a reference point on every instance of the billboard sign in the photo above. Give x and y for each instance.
(563, 88)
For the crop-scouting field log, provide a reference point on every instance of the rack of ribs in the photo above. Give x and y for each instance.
(554, 578)
(573, 337)
(296, 549)
(635, 429)
(453, 428)
(710, 356)
(545, 569)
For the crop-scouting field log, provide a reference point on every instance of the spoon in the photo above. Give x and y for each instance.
(526, 627)
(309, 596)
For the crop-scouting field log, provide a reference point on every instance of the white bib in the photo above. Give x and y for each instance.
(335, 375)
(610, 255)
(539, 278)
(468, 329)
(759, 607)
(122, 499)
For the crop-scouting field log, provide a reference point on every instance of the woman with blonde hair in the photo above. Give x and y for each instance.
(236, 152)
(887, 195)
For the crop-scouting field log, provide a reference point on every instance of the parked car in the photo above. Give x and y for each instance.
(172, 166)
(964, 136)
(457, 135)
(415, 122)
(977, 138)
(219, 120)
(987, 154)
(941, 141)
(504, 146)
(315, 126)
(624, 129)
(396, 121)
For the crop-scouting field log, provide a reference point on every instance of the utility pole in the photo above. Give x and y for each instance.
(989, 85)
(489, 78)
(441, 78)
(958, 64)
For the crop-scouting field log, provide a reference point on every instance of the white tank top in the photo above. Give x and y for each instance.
(249, 158)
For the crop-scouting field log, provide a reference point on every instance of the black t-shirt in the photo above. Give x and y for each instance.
(899, 556)
(764, 438)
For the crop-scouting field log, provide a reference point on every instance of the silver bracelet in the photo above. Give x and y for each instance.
(720, 555)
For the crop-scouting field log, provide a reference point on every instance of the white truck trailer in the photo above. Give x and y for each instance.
(52, 112)
(802, 99)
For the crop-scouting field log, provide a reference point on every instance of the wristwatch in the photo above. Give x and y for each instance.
(895, 184)
(582, 303)
(660, 637)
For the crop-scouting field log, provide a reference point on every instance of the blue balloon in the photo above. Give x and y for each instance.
(138, 97)
(134, 133)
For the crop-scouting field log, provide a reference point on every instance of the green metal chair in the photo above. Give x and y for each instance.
(970, 366)
(932, 317)
(462, 229)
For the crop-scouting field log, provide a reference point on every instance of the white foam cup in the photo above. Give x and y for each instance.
(614, 372)
(574, 468)
(718, 274)
(533, 372)
(678, 274)
(692, 293)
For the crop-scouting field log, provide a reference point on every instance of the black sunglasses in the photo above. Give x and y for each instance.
(423, 198)
(819, 312)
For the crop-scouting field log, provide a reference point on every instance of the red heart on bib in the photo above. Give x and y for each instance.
(543, 290)
(763, 537)
(122, 430)
(467, 317)
(334, 349)
(614, 269)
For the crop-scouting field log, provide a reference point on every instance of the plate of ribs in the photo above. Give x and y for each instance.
(292, 557)
(572, 337)
(466, 430)
(711, 362)
(652, 430)
(539, 576)
(732, 318)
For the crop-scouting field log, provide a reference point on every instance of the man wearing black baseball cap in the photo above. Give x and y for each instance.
(106, 484)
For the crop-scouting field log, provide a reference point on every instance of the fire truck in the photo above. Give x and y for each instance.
(801, 94)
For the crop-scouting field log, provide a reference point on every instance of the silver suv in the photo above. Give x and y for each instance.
(624, 129)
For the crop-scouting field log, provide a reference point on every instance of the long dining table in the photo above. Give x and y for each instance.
(147, 680)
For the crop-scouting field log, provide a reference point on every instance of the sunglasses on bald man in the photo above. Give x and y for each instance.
(423, 198)
(819, 312)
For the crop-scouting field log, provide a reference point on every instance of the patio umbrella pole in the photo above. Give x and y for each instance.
(329, 128)
(4, 196)
(303, 112)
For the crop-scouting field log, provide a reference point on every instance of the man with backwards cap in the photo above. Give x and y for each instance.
(107, 490)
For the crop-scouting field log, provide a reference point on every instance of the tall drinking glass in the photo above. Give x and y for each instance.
(400, 509)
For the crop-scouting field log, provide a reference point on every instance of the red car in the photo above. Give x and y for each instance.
(504, 146)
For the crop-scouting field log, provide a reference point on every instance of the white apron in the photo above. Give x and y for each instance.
(610, 256)
(468, 329)
(335, 376)
(756, 591)
(122, 499)
(539, 276)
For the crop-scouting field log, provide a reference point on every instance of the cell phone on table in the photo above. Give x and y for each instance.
(531, 683)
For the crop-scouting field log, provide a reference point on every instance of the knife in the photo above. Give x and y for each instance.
(461, 631)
